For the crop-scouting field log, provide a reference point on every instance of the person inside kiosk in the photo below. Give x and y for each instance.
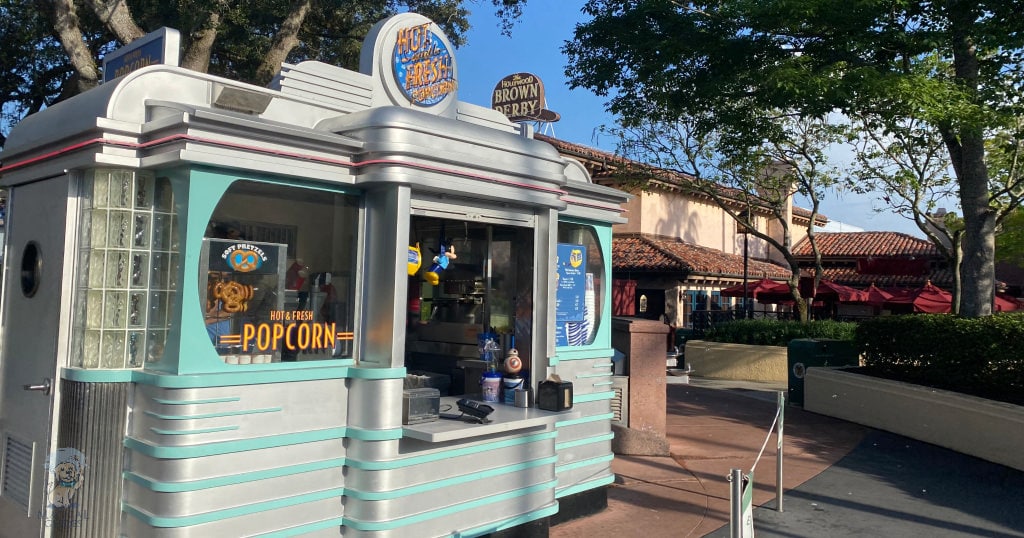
(280, 265)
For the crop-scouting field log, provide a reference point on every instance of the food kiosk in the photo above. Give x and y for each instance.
(219, 301)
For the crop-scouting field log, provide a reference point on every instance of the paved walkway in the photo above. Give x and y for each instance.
(840, 479)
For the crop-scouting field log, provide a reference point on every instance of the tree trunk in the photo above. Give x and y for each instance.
(966, 144)
(65, 22)
(285, 40)
(977, 270)
(197, 57)
(116, 16)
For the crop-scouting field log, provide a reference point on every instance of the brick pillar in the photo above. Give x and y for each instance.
(643, 342)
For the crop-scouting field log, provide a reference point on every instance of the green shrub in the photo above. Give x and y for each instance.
(979, 356)
(772, 332)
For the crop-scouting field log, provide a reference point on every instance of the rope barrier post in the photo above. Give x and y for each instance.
(735, 503)
(778, 457)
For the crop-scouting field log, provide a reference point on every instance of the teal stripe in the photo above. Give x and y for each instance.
(603, 365)
(509, 523)
(585, 441)
(245, 445)
(599, 374)
(197, 431)
(269, 373)
(448, 482)
(228, 513)
(97, 376)
(584, 463)
(603, 383)
(214, 415)
(593, 397)
(584, 486)
(266, 373)
(441, 456)
(165, 401)
(584, 353)
(461, 507)
(220, 481)
(306, 529)
(583, 420)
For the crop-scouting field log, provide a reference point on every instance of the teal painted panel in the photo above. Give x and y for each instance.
(584, 463)
(584, 420)
(454, 481)
(165, 401)
(418, 518)
(441, 456)
(585, 441)
(593, 397)
(585, 486)
(194, 432)
(162, 416)
(245, 445)
(267, 373)
(238, 511)
(207, 483)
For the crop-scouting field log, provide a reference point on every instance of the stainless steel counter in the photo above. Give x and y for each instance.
(505, 418)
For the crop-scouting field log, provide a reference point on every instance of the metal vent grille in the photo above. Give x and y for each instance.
(620, 402)
(17, 471)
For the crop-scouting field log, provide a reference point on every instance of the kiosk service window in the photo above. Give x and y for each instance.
(466, 280)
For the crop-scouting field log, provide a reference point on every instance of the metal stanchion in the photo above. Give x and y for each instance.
(778, 457)
(735, 503)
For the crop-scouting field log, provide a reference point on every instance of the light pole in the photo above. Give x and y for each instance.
(746, 289)
(745, 230)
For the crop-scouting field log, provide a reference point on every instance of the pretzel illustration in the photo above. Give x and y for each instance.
(234, 295)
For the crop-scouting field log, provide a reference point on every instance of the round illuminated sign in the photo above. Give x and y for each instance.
(423, 65)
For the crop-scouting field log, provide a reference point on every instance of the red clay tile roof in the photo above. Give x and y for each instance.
(864, 244)
(652, 253)
(599, 162)
(848, 276)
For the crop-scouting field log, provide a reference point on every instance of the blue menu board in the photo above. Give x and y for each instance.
(570, 292)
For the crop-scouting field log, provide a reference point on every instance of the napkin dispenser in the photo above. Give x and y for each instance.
(553, 394)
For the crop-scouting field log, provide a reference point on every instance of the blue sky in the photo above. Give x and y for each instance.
(535, 47)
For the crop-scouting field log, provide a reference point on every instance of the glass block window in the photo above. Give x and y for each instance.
(128, 261)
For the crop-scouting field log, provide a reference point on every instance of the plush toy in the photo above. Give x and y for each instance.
(415, 259)
(441, 262)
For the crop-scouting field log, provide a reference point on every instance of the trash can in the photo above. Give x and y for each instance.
(681, 336)
(804, 353)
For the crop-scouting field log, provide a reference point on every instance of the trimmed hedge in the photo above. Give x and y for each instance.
(978, 356)
(772, 332)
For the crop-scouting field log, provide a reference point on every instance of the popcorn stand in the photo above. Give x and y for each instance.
(232, 310)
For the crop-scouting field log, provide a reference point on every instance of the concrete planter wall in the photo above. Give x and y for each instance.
(989, 430)
(720, 360)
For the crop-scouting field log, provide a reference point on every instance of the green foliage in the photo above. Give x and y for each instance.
(772, 332)
(1010, 243)
(979, 356)
(731, 65)
(37, 72)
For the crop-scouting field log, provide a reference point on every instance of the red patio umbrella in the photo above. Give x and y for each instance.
(832, 291)
(753, 289)
(875, 296)
(828, 291)
(928, 299)
(1005, 303)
